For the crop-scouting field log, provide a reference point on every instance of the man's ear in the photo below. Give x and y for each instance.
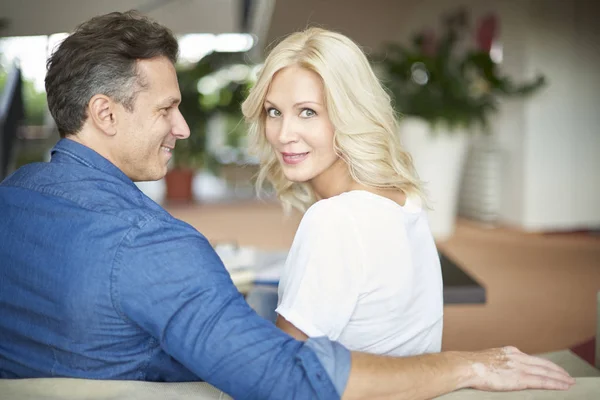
(102, 113)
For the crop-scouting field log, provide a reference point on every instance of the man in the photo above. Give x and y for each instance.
(100, 282)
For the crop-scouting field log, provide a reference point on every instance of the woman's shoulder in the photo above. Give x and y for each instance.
(326, 225)
(323, 210)
(328, 215)
(335, 208)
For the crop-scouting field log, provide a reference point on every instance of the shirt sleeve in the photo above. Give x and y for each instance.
(320, 282)
(168, 280)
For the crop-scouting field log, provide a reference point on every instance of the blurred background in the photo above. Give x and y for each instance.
(497, 102)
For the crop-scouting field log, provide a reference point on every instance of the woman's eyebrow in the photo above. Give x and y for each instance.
(298, 104)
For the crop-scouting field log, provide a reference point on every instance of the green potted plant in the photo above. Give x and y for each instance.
(444, 89)
(445, 83)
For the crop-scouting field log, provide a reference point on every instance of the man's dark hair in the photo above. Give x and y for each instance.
(100, 58)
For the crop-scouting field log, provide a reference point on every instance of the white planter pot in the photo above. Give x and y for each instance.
(439, 159)
(156, 190)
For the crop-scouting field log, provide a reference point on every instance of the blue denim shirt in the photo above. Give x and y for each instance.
(98, 281)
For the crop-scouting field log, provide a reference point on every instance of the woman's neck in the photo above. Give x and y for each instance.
(337, 180)
(333, 181)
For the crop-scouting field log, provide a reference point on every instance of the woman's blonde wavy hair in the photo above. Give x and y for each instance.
(365, 125)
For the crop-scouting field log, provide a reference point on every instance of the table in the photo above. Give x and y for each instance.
(459, 286)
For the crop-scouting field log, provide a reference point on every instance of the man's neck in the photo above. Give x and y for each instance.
(87, 139)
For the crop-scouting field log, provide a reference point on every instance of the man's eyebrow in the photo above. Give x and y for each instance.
(170, 101)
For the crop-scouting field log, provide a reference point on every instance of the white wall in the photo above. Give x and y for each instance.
(551, 141)
(562, 125)
(586, 142)
(509, 124)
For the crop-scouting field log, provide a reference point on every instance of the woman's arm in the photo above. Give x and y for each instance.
(290, 329)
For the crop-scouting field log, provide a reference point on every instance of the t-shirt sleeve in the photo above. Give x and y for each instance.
(320, 283)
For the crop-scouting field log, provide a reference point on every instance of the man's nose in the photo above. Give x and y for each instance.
(180, 129)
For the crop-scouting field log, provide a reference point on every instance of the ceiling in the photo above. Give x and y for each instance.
(37, 17)
(369, 22)
(45, 17)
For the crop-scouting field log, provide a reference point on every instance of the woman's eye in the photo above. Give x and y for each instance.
(307, 113)
(272, 112)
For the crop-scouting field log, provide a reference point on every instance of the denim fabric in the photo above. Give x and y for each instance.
(98, 281)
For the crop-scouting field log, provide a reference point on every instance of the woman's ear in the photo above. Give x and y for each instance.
(102, 113)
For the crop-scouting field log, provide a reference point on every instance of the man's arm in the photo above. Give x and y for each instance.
(168, 280)
(432, 375)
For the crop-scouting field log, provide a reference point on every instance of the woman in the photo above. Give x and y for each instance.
(363, 268)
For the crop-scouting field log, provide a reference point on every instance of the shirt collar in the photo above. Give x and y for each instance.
(71, 152)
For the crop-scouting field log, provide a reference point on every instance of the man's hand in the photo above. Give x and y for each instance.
(430, 375)
(507, 368)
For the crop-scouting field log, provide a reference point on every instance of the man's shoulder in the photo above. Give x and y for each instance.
(88, 190)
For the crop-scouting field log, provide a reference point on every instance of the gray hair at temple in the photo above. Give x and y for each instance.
(100, 57)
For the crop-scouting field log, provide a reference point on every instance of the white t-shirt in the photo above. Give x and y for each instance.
(365, 272)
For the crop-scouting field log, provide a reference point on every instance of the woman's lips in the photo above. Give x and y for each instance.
(294, 158)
